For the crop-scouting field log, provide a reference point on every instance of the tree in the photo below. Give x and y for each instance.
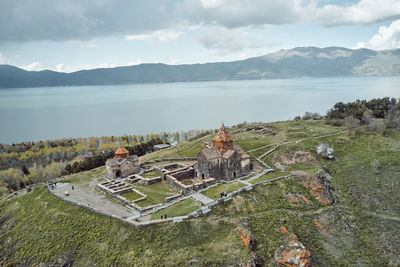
(24, 170)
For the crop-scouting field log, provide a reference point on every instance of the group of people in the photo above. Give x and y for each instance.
(165, 216)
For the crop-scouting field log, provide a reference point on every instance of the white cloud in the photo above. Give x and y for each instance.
(27, 20)
(3, 59)
(363, 12)
(34, 66)
(386, 38)
(239, 13)
(160, 35)
(225, 41)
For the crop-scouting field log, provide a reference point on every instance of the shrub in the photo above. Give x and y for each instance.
(352, 123)
(310, 115)
(367, 117)
(335, 122)
(376, 126)
(393, 117)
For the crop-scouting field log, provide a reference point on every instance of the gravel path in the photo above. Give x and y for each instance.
(87, 195)
(202, 198)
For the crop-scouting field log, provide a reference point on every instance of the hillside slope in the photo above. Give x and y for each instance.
(357, 226)
(293, 63)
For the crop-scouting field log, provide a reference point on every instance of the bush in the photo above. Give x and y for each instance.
(367, 117)
(335, 122)
(376, 126)
(393, 117)
(310, 115)
(379, 107)
(352, 123)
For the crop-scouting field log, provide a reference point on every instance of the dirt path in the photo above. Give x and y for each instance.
(296, 142)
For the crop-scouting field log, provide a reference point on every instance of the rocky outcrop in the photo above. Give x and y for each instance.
(297, 198)
(250, 243)
(292, 253)
(325, 151)
(246, 237)
(281, 162)
(319, 186)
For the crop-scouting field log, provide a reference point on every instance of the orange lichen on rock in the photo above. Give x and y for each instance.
(294, 258)
(316, 188)
(282, 161)
(303, 157)
(292, 254)
(283, 229)
(250, 243)
(246, 237)
(304, 199)
(318, 224)
(293, 199)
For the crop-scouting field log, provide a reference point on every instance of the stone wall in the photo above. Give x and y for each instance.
(185, 189)
(184, 174)
(172, 198)
(153, 180)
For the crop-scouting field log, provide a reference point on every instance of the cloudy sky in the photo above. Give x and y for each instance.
(70, 35)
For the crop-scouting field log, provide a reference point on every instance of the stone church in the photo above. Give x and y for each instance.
(222, 160)
(122, 165)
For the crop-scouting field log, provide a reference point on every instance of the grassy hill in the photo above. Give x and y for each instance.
(359, 227)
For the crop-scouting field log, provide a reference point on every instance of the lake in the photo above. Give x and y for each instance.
(32, 114)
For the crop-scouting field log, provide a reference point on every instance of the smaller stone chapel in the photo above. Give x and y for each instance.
(122, 164)
(222, 160)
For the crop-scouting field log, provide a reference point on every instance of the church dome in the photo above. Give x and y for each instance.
(223, 140)
(122, 153)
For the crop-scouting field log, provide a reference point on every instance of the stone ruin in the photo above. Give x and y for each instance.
(186, 181)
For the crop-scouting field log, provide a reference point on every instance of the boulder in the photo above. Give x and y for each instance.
(325, 151)
(293, 254)
(319, 186)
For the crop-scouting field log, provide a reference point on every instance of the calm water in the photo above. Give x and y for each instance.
(32, 114)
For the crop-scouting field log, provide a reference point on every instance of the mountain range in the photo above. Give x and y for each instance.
(289, 63)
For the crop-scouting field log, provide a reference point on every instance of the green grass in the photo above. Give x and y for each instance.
(131, 195)
(85, 177)
(181, 208)
(156, 193)
(269, 176)
(152, 174)
(214, 192)
(40, 228)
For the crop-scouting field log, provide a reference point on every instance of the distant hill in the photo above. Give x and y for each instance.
(292, 63)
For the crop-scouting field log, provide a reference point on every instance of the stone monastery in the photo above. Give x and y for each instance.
(223, 160)
(122, 165)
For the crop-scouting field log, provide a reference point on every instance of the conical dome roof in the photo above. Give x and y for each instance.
(121, 152)
(223, 140)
